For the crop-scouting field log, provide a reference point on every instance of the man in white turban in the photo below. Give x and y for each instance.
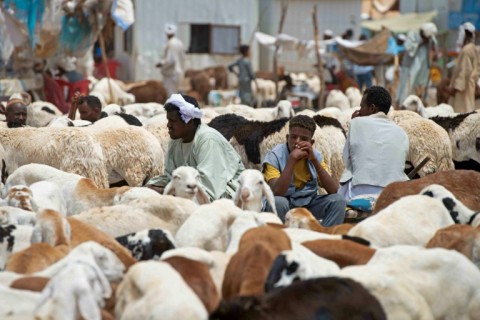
(466, 71)
(173, 60)
(415, 67)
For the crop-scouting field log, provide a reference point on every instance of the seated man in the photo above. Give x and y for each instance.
(90, 108)
(197, 145)
(376, 148)
(16, 113)
(295, 171)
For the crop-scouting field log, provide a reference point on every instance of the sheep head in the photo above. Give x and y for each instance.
(185, 183)
(412, 103)
(51, 227)
(251, 189)
(284, 109)
(20, 196)
(299, 218)
(458, 211)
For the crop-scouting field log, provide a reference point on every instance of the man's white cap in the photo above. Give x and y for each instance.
(170, 29)
(469, 27)
(402, 37)
(328, 32)
(429, 29)
(461, 33)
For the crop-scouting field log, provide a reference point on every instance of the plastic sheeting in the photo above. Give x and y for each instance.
(401, 23)
(123, 14)
(29, 12)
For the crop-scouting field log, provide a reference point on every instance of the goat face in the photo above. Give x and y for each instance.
(251, 189)
(21, 197)
(297, 218)
(186, 184)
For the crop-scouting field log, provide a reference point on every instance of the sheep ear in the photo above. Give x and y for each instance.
(237, 199)
(101, 285)
(88, 306)
(202, 196)
(267, 192)
(169, 189)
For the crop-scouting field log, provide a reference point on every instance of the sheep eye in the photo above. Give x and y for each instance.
(260, 182)
(176, 177)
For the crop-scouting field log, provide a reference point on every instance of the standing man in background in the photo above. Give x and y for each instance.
(415, 68)
(466, 73)
(245, 75)
(173, 61)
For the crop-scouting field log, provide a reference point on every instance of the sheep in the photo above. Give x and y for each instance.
(301, 235)
(13, 238)
(207, 226)
(83, 233)
(429, 271)
(282, 110)
(186, 184)
(462, 238)
(393, 225)
(415, 104)
(14, 215)
(147, 244)
(197, 275)
(257, 251)
(459, 182)
(343, 252)
(147, 110)
(354, 96)
(329, 297)
(77, 290)
(50, 243)
(343, 117)
(251, 190)
(20, 196)
(154, 290)
(298, 263)
(62, 148)
(459, 212)
(237, 229)
(47, 195)
(41, 113)
(119, 96)
(160, 132)
(304, 219)
(30, 283)
(426, 138)
(17, 303)
(337, 99)
(79, 193)
(464, 133)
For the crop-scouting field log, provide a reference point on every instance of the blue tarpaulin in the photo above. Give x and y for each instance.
(29, 12)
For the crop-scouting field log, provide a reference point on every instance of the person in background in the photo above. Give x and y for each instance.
(172, 64)
(363, 74)
(16, 113)
(295, 171)
(245, 75)
(415, 66)
(89, 107)
(376, 148)
(199, 146)
(466, 72)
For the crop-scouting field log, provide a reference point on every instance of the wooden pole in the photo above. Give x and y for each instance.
(321, 97)
(73, 109)
(105, 65)
(275, 55)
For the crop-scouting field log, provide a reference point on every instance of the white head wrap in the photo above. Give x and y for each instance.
(461, 33)
(187, 110)
(170, 29)
(429, 29)
(328, 32)
(402, 37)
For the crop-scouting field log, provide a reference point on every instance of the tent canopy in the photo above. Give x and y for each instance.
(401, 23)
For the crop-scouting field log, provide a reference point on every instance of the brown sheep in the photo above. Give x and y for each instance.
(200, 83)
(462, 183)
(302, 218)
(460, 237)
(197, 275)
(149, 91)
(342, 252)
(82, 232)
(52, 231)
(248, 268)
(33, 283)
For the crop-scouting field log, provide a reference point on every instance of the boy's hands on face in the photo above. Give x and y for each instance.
(306, 147)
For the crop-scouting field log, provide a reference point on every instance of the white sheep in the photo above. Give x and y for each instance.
(186, 184)
(459, 212)
(102, 90)
(415, 104)
(47, 195)
(207, 227)
(252, 187)
(62, 122)
(283, 109)
(337, 99)
(154, 290)
(240, 225)
(426, 138)
(79, 289)
(14, 215)
(16, 303)
(343, 117)
(354, 96)
(396, 224)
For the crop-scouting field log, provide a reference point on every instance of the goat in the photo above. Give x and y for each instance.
(251, 189)
(185, 184)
